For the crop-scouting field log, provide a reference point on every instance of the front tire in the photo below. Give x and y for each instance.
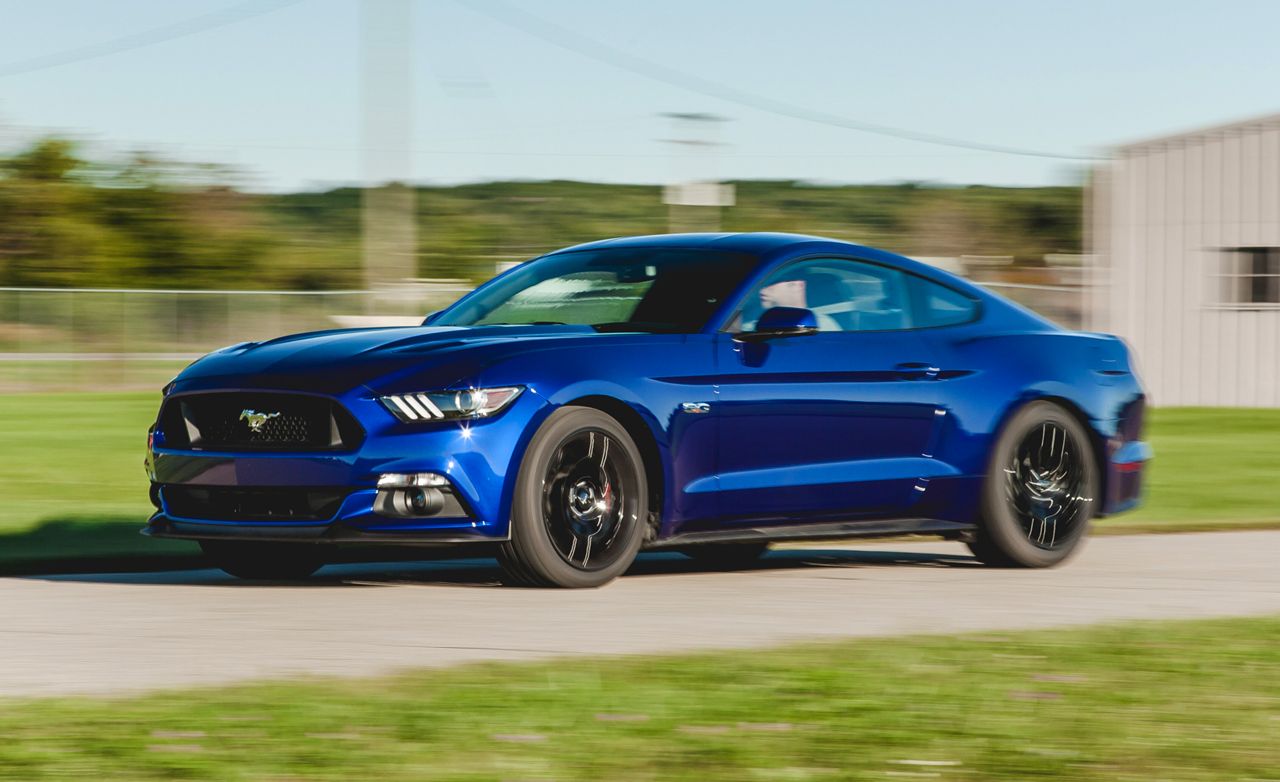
(263, 561)
(580, 503)
(1041, 490)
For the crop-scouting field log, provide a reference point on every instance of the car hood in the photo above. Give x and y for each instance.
(341, 360)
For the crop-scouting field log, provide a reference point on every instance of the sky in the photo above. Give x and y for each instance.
(277, 95)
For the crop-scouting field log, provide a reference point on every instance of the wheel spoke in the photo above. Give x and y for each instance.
(1042, 484)
(587, 499)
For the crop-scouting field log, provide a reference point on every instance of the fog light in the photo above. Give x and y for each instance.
(397, 480)
(410, 503)
(416, 495)
(424, 502)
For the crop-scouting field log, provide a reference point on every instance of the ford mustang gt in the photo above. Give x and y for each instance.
(706, 393)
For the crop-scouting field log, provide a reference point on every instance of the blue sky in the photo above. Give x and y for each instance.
(278, 96)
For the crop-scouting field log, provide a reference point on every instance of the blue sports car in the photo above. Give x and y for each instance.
(707, 393)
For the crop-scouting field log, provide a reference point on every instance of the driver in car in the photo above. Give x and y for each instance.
(794, 293)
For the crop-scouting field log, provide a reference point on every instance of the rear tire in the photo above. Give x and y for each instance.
(580, 503)
(263, 561)
(726, 556)
(1040, 492)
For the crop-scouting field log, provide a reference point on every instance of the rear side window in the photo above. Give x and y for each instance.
(938, 305)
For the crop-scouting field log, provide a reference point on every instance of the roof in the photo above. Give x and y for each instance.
(769, 246)
(757, 242)
(1266, 122)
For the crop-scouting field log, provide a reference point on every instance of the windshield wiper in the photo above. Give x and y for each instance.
(646, 327)
(531, 323)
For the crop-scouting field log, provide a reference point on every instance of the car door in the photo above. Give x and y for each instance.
(833, 424)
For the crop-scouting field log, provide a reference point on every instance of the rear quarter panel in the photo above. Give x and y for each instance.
(991, 375)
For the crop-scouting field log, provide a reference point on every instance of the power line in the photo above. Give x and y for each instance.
(160, 147)
(555, 34)
(222, 17)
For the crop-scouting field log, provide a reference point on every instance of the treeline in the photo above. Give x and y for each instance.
(67, 221)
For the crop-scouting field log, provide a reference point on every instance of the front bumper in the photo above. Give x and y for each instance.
(334, 532)
(477, 457)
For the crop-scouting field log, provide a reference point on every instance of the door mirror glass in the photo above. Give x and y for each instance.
(783, 322)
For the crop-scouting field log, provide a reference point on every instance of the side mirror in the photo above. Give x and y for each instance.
(431, 316)
(782, 322)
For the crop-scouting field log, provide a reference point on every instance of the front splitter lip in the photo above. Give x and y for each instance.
(331, 533)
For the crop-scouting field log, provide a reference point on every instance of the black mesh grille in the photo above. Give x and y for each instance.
(279, 428)
(258, 504)
(257, 421)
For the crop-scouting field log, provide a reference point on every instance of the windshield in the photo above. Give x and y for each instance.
(623, 289)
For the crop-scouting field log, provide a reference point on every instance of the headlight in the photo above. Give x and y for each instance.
(450, 405)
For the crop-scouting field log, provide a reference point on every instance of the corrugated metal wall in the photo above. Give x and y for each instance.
(1160, 216)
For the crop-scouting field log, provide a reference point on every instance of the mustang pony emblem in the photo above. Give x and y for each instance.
(256, 420)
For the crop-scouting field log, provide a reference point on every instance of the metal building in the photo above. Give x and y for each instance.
(1184, 235)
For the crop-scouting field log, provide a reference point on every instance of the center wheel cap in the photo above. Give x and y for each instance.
(584, 502)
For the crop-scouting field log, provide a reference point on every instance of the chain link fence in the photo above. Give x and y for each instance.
(107, 339)
(1062, 304)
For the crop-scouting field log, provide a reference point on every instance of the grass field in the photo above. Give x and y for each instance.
(72, 480)
(1213, 467)
(1143, 702)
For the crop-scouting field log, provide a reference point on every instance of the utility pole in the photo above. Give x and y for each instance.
(695, 195)
(389, 203)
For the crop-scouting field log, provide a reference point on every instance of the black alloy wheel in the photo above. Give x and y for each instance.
(585, 500)
(1042, 483)
(1041, 489)
(579, 505)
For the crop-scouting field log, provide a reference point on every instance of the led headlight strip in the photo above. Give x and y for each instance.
(450, 405)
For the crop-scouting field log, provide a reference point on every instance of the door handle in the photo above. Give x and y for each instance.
(917, 370)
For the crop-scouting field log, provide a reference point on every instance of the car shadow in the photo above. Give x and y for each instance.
(484, 572)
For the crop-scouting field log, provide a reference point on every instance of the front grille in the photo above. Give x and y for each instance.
(281, 428)
(242, 420)
(216, 503)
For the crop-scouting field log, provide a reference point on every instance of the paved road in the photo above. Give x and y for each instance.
(121, 633)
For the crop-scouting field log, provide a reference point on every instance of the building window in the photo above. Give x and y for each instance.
(1251, 276)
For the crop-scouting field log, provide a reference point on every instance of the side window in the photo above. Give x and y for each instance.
(845, 295)
(938, 305)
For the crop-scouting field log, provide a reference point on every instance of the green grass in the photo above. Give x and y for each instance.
(72, 479)
(1143, 702)
(73, 457)
(73, 485)
(1213, 468)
